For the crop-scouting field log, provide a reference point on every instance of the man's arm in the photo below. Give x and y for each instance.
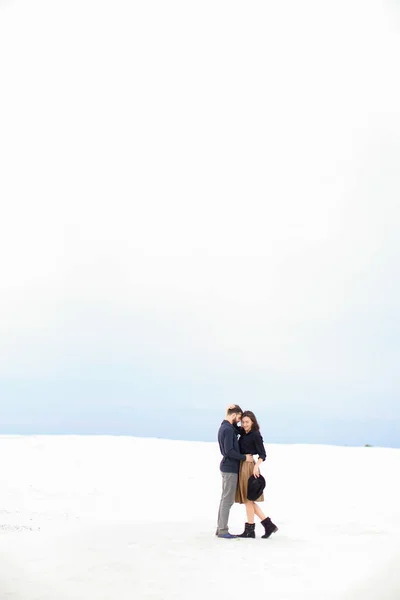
(228, 443)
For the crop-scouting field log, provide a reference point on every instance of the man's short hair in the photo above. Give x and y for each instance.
(235, 410)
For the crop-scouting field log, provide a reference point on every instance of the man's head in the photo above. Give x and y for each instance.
(234, 414)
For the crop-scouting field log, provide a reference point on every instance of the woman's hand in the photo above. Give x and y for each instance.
(256, 471)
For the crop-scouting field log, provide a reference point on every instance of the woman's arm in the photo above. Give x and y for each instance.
(262, 455)
(260, 446)
(256, 470)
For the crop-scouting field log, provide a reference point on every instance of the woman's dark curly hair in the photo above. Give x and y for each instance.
(255, 426)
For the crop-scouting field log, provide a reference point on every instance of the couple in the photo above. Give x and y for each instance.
(239, 472)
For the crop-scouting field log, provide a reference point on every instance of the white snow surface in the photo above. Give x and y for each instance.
(117, 517)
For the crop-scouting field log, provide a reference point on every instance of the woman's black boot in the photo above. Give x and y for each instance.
(269, 527)
(249, 531)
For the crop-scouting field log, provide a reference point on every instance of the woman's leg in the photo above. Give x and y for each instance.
(258, 511)
(250, 512)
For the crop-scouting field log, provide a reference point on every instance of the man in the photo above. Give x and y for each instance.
(229, 446)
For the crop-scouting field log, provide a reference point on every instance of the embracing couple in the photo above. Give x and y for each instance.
(241, 478)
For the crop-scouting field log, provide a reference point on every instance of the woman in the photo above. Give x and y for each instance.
(251, 442)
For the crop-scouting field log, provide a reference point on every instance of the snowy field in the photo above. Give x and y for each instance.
(117, 518)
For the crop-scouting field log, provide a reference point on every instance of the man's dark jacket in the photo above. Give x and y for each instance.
(229, 446)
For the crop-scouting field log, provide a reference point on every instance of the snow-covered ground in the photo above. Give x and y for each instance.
(115, 518)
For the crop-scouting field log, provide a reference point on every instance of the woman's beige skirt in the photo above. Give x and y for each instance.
(246, 471)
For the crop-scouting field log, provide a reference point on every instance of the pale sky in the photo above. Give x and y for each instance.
(200, 205)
